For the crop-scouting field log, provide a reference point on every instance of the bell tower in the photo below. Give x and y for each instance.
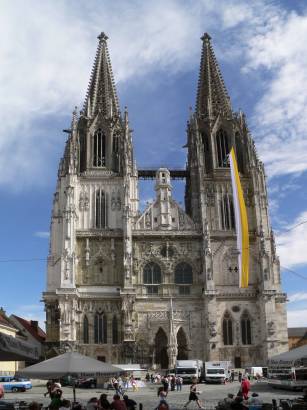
(212, 130)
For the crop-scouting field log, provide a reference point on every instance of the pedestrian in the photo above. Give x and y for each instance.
(147, 377)
(126, 382)
(245, 386)
(240, 376)
(232, 375)
(48, 387)
(173, 383)
(1, 391)
(117, 403)
(92, 404)
(254, 402)
(103, 402)
(130, 404)
(193, 394)
(164, 382)
(56, 399)
(133, 384)
(162, 394)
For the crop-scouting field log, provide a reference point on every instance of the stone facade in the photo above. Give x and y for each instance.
(150, 287)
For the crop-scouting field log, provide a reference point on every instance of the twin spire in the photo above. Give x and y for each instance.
(101, 93)
(212, 97)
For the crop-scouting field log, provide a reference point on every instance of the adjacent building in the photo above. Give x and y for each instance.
(149, 287)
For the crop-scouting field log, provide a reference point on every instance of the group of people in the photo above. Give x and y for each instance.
(118, 403)
(164, 389)
(121, 384)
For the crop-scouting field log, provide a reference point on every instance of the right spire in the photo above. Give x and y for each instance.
(212, 96)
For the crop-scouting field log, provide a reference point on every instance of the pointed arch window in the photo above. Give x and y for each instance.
(100, 328)
(246, 334)
(152, 277)
(85, 330)
(227, 330)
(183, 277)
(99, 149)
(227, 213)
(100, 209)
(222, 148)
(115, 330)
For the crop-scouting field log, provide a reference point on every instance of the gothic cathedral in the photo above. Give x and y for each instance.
(149, 287)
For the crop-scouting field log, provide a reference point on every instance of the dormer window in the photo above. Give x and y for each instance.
(99, 147)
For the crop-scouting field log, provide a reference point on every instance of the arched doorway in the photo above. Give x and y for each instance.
(161, 356)
(182, 345)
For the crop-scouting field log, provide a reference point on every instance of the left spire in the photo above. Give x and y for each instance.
(101, 93)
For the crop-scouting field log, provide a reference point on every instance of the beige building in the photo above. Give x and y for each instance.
(8, 328)
(150, 287)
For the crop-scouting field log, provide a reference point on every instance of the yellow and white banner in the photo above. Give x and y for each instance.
(241, 221)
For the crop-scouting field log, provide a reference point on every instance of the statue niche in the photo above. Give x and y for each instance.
(100, 271)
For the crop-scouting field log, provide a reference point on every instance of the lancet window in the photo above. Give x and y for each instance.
(227, 330)
(100, 328)
(99, 149)
(100, 209)
(85, 330)
(227, 213)
(246, 334)
(115, 330)
(183, 277)
(222, 148)
(152, 277)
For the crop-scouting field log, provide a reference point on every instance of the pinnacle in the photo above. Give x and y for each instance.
(102, 36)
(205, 37)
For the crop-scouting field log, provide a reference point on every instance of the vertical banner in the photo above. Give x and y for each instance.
(241, 221)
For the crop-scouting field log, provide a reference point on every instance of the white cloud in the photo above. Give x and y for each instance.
(297, 318)
(45, 67)
(292, 243)
(297, 297)
(281, 113)
(42, 234)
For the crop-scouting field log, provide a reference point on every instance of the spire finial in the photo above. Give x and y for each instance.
(212, 96)
(102, 36)
(205, 37)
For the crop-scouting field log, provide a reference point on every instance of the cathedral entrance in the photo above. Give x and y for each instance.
(182, 345)
(161, 356)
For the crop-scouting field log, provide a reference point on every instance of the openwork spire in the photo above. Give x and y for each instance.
(212, 96)
(101, 93)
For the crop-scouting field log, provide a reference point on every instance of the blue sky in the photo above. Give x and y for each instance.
(46, 54)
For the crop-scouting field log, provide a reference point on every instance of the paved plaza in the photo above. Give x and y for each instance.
(210, 395)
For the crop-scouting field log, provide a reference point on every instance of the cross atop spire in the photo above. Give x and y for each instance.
(212, 96)
(101, 93)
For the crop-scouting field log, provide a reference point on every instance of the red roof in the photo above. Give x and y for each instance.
(5, 321)
(32, 327)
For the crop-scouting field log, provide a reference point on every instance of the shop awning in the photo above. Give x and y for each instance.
(295, 357)
(12, 348)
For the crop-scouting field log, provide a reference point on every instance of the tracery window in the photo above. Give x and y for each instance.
(85, 330)
(114, 330)
(152, 277)
(227, 213)
(99, 149)
(239, 153)
(100, 209)
(227, 330)
(246, 334)
(183, 277)
(100, 328)
(222, 148)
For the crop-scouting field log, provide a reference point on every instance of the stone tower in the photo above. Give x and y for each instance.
(160, 285)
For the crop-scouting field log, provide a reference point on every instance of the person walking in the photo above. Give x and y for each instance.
(193, 394)
(162, 394)
(245, 386)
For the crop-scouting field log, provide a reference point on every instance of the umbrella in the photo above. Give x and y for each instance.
(69, 364)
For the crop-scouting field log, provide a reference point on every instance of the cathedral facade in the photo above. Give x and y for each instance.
(151, 287)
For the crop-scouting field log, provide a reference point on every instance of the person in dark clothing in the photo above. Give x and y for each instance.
(240, 377)
(104, 403)
(130, 404)
(164, 381)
